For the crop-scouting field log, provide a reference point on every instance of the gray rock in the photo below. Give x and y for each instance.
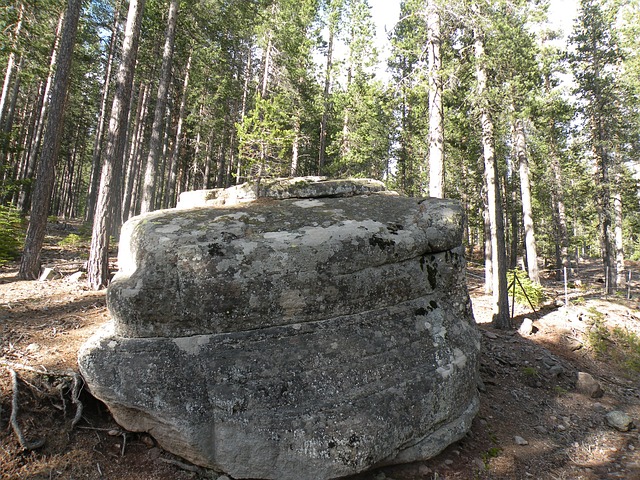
(48, 274)
(587, 385)
(520, 441)
(556, 371)
(281, 188)
(619, 420)
(292, 339)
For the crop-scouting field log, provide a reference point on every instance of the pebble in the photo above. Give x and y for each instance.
(448, 462)
(541, 430)
(520, 440)
(556, 371)
(561, 428)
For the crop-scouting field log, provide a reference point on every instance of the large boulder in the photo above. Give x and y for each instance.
(304, 338)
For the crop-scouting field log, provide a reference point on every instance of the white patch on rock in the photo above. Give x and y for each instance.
(171, 228)
(132, 292)
(192, 345)
(459, 358)
(308, 203)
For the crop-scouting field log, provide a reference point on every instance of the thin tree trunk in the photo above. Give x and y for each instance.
(7, 125)
(94, 181)
(110, 179)
(498, 251)
(170, 192)
(326, 104)
(135, 152)
(436, 123)
(10, 65)
(25, 194)
(527, 208)
(618, 236)
(295, 153)
(155, 143)
(30, 262)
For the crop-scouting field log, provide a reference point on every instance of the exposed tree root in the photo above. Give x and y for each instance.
(75, 389)
(24, 443)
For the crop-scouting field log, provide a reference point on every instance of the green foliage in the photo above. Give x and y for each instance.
(628, 346)
(619, 344)
(521, 284)
(493, 452)
(72, 240)
(598, 336)
(12, 230)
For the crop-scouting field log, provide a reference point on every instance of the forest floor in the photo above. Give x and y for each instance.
(533, 420)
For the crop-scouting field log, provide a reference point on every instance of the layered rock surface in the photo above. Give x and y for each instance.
(304, 338)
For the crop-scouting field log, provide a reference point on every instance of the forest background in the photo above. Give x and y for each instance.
(110, 109)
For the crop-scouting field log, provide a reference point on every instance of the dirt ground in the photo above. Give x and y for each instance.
(533, 422)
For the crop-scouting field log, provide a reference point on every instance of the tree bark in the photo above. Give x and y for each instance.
(500, 305)
(111, 176)
(10, 65)
(155, 143)
(436, 123)
(25, 195)
(618, 235)
(170, 191)
(94, 181)
(326, 104)
(30, 262)
(527, 209)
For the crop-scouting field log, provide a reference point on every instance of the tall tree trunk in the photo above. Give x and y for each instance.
(7, 124)
(618, 236)
(111, 176)
(326, 105)
(30, 262)
(155, 143)
(25, 195)
(496, 220)
(10, 65)
(436, 123)
(560, 217)
(527, 208)
(603, 205)
(94, 181)
(170, 192)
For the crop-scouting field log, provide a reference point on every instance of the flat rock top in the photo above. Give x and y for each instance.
(400, 226)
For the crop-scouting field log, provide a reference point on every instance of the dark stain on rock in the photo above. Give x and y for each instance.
(394, 228)
(382, 243)
(215, 250)
(432, 269)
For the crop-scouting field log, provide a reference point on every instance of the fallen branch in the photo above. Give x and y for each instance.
(14, 417)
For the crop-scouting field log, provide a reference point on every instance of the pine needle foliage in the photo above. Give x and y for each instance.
(524, 288)
(12, 231)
